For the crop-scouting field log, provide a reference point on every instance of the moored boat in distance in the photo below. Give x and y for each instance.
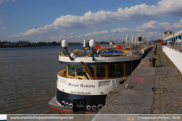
(92, 72)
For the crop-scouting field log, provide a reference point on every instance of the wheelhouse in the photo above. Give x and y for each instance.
(99, 71)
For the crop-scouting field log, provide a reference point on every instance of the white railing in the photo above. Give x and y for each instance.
(174, 55)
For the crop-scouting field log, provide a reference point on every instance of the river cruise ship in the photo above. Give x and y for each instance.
(92, 72)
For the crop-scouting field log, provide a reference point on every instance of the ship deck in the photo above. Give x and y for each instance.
(103, 57)
(107, 50)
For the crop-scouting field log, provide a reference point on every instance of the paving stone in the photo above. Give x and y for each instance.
(164, 109)
(167, 98)
(175, 108)
(169, 84)
(156, 111)
(174, 99)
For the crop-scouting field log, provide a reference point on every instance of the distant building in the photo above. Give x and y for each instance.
(155, 41)
(167, 33)
(176, 38)
(114, 42)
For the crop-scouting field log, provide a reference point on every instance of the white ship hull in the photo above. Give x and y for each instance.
(74, 94)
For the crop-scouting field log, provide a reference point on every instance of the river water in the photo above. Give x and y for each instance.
(28, 79)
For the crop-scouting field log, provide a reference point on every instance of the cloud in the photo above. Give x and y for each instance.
(151, 34)
(121, 30)
(178, 25)
(3, 27)
(149, 25)
(101, 32)
(153, 25)
(52, 37)
(98, 35)
(1, 22)
(165, 25)
(71, 34)
(142, 12)
(1, 1)
(149, 30)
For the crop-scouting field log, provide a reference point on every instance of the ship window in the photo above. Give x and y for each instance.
(119, 70)
(100, 71)
(112, 70)
(128, 68)
(71, 69)
(79, 70)
(91, 68)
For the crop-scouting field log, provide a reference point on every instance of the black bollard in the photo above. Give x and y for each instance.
(152, 62)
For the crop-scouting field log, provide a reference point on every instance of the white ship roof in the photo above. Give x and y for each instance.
(127, 53)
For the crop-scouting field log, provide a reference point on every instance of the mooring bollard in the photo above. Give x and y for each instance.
(154, 52)
(155, 47)
(152, 62)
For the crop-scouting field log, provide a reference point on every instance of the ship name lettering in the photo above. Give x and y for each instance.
(74, 85)
(88, 86)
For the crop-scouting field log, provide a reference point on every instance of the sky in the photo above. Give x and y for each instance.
(76, 20)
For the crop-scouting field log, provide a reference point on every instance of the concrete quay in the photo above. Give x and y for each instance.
(138, 97)
(168, 85)
(152, 90)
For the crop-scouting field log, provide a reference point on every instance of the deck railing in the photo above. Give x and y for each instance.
(125, 50)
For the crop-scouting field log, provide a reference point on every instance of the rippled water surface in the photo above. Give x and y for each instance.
(28, 79)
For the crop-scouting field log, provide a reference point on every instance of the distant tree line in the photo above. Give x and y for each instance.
(102, 42)
(28, 43)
